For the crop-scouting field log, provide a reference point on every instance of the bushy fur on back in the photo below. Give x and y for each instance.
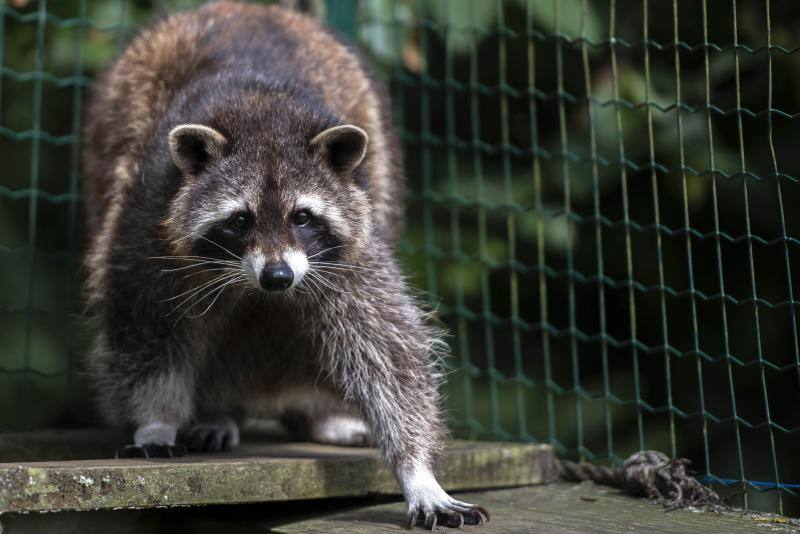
(223, 140)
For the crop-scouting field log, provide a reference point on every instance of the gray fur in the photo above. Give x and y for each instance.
(187, 341)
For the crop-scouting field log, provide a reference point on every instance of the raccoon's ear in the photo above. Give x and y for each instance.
(344, 146)
(192, 146)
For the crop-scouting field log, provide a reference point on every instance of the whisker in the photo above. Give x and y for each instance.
(343, 266)
(198, 289)
(208, 258)
(220, 246)
(333, 269)
(197, 261)
(194, 265)
(195, 288)
(190, 234)
(309, 292)
(216, 298)
(323, 281)
(324, 251)
(198, 301)
(211, 270)
(241, 294)
(321, 286)
(323, 270)
(319, 292)
(335, 272)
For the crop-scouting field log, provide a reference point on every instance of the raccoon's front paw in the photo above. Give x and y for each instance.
(153, 440)
(151, 450)
(430, 506)
(342, 430)
(454, 514)
(213, 436)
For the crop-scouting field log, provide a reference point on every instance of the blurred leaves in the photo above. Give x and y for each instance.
(463, 23)
(463, 20)
(569, 23)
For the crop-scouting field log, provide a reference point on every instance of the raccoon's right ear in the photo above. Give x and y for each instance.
(345, 146)
(193, 146)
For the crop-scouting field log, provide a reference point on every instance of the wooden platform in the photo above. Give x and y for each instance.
(554, 508)
(557, 508)
(273, 486)
(255, 472)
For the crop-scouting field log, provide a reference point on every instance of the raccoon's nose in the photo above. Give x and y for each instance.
(276, 277)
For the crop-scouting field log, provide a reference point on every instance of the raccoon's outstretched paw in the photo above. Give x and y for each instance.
(151, 450)
(213, 436)
(429, 504)
(456, 515)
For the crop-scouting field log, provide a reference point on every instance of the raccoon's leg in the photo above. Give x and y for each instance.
(159, 406)
(221, 392)
(153, 393)
(322, 417)
(381, 354)
(341, 429)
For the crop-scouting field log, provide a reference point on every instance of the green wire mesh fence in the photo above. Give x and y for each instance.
(600, 208)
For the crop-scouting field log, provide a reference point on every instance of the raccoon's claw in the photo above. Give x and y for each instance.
(213, 436)
(425, 496)
(478, 515)
(458, 514)
(151, 450)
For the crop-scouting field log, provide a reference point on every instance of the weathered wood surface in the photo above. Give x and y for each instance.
(256, 472)
(46, 445)
(554, 508)
(90, 443)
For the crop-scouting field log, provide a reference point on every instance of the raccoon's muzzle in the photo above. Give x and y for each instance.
(276, 277)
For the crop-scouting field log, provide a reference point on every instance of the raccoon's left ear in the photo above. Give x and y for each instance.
(193, 146)
(345, 146)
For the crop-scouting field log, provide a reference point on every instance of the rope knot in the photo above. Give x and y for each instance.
(651, 474)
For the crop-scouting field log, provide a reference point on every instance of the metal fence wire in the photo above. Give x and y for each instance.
(601, 209)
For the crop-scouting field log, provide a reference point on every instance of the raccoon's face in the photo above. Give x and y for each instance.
(269, 214)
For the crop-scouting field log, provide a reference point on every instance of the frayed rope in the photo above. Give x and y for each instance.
(651, 474)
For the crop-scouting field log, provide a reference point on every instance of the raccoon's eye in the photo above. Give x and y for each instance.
(240, 221)
(301, 218)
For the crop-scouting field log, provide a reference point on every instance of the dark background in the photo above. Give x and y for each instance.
(521, 188)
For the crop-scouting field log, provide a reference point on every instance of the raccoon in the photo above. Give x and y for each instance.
(244, 193)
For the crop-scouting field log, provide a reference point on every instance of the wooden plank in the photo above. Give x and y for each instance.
(90, 443)
(556, 508)
(43, 445)
(256, 472)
